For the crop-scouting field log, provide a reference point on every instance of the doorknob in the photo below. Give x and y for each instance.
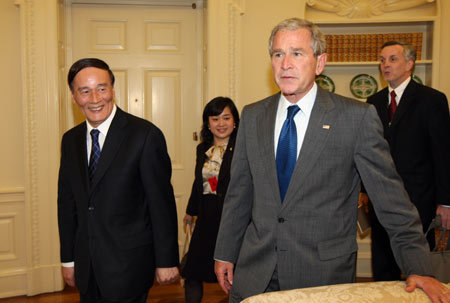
(195, 136)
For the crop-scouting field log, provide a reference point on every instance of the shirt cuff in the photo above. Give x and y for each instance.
(68, 264)
(223, 261)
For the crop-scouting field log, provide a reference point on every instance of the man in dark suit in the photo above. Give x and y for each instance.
(116, 208)
(289, 216)
(416, 125)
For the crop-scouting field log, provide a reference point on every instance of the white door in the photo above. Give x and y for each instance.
(153, 53)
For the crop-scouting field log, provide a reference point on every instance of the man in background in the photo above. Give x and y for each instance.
(116, 208)
(416, 124)
(289, 217)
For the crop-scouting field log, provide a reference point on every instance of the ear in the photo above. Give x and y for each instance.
(320, 64)
(410, 65)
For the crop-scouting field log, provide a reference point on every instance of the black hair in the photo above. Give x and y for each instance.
(214, 108)
(84, 63)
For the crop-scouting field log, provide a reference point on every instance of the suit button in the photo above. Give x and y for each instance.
(280, 220)
(90, 208)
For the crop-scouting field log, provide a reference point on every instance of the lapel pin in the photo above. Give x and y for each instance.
(325, 126)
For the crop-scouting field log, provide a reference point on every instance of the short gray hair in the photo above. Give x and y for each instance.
(318, 43)
(409, 52)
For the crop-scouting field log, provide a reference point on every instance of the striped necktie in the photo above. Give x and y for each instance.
(95, 153)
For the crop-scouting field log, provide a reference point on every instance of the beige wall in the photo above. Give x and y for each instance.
(29, 249)
(11, 118)
(257, 22)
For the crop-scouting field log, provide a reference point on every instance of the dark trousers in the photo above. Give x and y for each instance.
(384, 266)
(193, 291)
(93, 294)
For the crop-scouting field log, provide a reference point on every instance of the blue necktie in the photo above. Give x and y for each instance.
(287, 151)
(95, 153)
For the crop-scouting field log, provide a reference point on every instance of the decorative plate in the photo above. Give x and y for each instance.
(363, 86)
(416, 78)
(325, 82)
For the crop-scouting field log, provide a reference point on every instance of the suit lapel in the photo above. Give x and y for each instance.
(81, 152)
(383, 108)
(226, 161)
(313, 143)
(405, 102)
(114, 138)
(199, 172)
(265, 133)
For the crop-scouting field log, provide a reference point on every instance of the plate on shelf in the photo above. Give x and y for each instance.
(416, 78)
(325, 82)
(363, 86)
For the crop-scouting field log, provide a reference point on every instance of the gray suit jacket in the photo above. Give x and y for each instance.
(311, 236)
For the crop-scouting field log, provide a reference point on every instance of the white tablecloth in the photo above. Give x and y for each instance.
(370, 292)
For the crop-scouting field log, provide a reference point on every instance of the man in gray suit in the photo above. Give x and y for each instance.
(289, 217)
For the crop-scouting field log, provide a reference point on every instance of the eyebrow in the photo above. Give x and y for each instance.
(87, 87)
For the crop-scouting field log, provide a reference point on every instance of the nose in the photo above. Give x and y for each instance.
(286, 63)
(95, 97)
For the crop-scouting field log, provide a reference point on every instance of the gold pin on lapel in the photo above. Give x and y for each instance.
(325, 126)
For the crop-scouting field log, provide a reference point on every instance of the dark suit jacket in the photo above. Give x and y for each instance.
(311, 237)
(223, 180)
(125, 224)
(419, 141)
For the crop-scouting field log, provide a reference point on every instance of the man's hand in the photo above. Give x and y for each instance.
(434, 289)
(167, 275)
(224, 273)
(445, 215)
(68, 274)
(364, 200)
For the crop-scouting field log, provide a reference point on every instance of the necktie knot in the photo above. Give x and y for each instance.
(393, 95)
(94, 134)
(292, 111)
(392, 105)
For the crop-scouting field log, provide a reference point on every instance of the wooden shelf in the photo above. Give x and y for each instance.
(374, 21)
(372, 63)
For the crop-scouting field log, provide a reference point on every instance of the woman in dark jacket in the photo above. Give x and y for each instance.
(212, 175)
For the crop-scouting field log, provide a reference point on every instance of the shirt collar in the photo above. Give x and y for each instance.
(306, 103)
(401, 88)
(104, 126)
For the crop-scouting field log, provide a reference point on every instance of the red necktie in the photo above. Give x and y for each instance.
(392, 106)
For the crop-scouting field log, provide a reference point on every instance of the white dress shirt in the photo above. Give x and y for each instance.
(103, 129)
(398, 91)
(301, 119)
